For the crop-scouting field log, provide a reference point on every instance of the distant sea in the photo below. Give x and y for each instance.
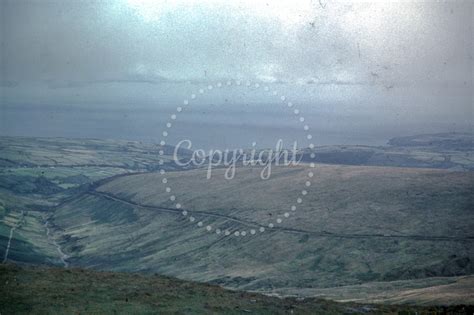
(208, 128)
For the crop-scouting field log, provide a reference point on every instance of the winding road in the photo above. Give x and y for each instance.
(287, 229)
(7, 250)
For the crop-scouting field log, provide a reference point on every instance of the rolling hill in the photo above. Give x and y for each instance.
(356, 225)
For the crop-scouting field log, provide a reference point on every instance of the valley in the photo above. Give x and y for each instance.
(392, 232)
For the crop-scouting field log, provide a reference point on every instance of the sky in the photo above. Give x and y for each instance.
(414, 58)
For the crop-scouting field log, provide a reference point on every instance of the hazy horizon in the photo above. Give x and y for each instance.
(360, 73)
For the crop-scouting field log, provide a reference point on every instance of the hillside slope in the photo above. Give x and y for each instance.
(356, 225)
(27, 290)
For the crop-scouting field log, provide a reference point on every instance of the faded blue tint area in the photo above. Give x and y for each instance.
(361, 72)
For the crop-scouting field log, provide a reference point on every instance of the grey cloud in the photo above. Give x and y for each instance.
(78, 44)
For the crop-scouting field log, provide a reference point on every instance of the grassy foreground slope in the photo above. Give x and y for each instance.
(27, 290)
(356, 225)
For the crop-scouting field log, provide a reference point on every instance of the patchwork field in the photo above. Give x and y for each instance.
(37, 174)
